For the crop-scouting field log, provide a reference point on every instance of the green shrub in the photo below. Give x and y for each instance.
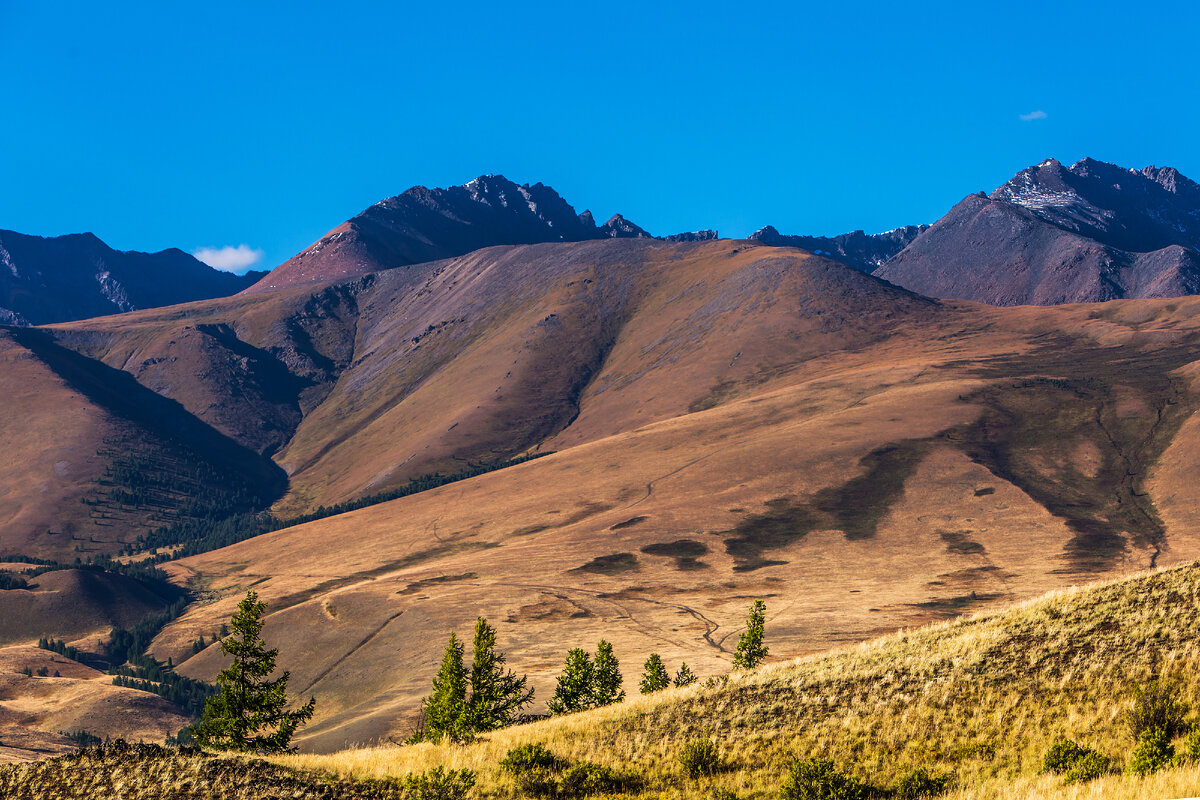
(526, 757)
(585, 777)
(722, 793)
(699, 757)
(1076, 763)
(439, 784)
(1152, 752)
(1191, 745)
(1156, 706)
(1087, 767)
(819, 779)
(922, 783)
(1061, 756)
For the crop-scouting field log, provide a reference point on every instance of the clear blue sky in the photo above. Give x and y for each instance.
(262, 123)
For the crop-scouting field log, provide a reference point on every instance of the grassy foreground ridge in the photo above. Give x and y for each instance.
(981, 698)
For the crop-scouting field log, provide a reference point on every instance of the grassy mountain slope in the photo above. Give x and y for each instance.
(94, 458)
(970, 459)
(981, 698)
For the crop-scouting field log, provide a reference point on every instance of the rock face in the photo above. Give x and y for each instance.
(423, 225)
(1052, 234)
(693, 236)
(863, 251)
(62, 278)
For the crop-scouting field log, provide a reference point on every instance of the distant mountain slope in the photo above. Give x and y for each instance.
(1053, 235)
(424, 225)
(863, 251)
(63, 278)
(357, 387)
(93, 459)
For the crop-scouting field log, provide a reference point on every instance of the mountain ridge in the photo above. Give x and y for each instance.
(47, 279)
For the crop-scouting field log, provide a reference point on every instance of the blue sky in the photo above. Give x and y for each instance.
(265, 124)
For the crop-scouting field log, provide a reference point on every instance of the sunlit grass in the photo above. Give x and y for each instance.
(980, 698)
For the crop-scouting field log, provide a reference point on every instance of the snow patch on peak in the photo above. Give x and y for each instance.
(6, 260)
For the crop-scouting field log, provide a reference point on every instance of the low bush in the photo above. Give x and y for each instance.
(586, 778)
(1061, 756)
(922, 783)
(700, 757)
(537, 772)
(819, 779)
(1153, 752)
(722, 793)
(1076, 763)
(1191, 745)
(527, 757)
(1156, 706)
(1087, 767)
(439, 784)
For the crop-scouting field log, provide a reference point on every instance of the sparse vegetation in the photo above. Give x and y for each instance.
(496, 694)
(586, 684)
(820, 779)
(153, 772)
(1158, 707)
(439, 783)
(920, 782)
(699, 757)
(685, 676)
(978, 700)
(654, 675)
(247, 714)
(750, 648)
(1152, 752)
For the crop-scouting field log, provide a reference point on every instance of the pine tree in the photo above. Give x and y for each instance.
(497, 695)
(247, 714)
(685, 677)
(606, 677)
(654, 675)
(445, 708)
(574, 684)
(751, 650)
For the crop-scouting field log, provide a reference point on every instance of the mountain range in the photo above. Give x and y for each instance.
(62, 278)
(643, 432)
(1053, 234)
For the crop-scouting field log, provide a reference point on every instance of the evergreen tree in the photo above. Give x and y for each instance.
(247, 714)
(573, 692)
(751, 650)
(445, 708)
(606, 677)
(654, 675)
(685, 677)
(497, 694)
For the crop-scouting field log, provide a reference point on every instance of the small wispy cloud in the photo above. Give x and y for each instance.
(1033, 115)
(229, 259)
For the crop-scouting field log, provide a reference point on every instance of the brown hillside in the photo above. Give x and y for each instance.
(973, 457)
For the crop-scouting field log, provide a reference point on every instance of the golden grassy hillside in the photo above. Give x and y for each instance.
(981, 698)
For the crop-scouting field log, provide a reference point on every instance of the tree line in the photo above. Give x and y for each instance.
(248, 711)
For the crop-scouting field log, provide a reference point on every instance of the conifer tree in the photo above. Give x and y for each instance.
(497, 694)
(445, 709)
(751, 650)
(573, 692)
(685, 677)
(247, 714)
(606, 677)
(654, 675)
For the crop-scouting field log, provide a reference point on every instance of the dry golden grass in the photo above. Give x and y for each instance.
(981, 697)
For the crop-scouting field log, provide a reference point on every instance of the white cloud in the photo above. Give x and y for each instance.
(1033, 115)
(229, 259)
